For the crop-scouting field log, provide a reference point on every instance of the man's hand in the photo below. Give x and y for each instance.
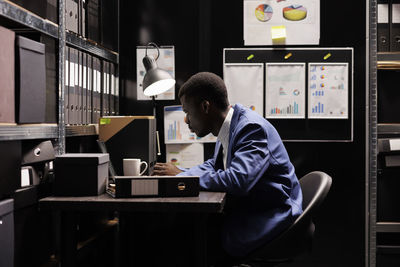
(166, 169)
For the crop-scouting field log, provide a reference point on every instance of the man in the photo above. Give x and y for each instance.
(250, 163)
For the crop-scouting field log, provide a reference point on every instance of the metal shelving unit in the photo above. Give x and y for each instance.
(80, 130)
(382, 61)
(17, 18)
(91, 47)
(371, 134)
(32, 131)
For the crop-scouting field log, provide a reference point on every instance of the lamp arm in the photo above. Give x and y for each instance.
(156, 46)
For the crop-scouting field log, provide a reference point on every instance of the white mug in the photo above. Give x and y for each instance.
(132, 167)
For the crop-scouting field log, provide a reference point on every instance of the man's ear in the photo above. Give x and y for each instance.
(205, 105)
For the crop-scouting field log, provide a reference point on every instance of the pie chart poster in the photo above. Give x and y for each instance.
(300, 18)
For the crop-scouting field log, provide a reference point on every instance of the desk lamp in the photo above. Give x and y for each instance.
(156, 81)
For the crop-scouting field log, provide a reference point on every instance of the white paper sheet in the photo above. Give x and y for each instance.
(166, 61)
(298, 32)
(176, 130)
(245, 83)
(185, 155)
(285, 90)
(328, 92)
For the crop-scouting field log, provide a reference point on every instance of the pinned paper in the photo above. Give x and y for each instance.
(278, 33)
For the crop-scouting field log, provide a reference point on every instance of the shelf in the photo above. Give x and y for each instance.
(31, 131)
(80, 130)
(91, 47)
(388, 227)
(389, 60)
(385, 249)
(389, 128)
(17, 16)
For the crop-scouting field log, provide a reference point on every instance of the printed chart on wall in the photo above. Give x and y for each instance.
(176, 130)
(245, 83)
(185, 155)
(286, 22)
(165, 61)
(328, 93)
(285, 90)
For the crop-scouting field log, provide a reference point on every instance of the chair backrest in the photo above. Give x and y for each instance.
(297, 238)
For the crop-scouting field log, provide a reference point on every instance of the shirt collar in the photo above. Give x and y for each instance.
(223, 135)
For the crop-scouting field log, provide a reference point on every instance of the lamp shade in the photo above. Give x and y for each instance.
(156, 81)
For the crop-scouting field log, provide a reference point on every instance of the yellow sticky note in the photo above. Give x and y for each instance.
(104, 121)
(278, 33)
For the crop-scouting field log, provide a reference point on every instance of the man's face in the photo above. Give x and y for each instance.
(196, 116)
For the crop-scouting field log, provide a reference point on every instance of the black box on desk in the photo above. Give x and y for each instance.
(155, 186)
(10, 167)
(129, 137)
(81, 174)
(7, 232)
(31, 81)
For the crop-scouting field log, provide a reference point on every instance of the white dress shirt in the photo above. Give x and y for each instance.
(223, 135)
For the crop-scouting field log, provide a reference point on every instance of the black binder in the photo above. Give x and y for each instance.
(395, 26)
(383, 26)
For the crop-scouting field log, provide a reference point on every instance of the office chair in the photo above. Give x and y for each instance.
(297, 239)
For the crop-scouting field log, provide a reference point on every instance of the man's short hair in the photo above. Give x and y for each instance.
(206, 86)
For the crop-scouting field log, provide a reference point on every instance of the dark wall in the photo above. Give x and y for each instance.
(199, 30)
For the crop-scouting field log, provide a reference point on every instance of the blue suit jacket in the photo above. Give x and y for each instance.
(264, 195)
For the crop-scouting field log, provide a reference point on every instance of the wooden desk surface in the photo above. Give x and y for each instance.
(207, 202)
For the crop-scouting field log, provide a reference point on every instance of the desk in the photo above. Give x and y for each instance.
(206, 203)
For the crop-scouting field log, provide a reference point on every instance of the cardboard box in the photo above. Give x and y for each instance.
(31, 81)
(81, 174)
(7, 81)
(129, 137)
(7, 233)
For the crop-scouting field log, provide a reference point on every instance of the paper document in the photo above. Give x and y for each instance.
(285, 90)
(176, 130)
(298, 22)
(245, 85)
(185, 155)
(328, 92)
(166, 61)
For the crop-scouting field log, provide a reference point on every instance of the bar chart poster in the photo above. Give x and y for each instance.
(328, 91)
(285, 90)
(176, 130)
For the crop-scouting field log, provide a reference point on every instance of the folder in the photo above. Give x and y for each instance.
(104, 89)
(74, 106)
(83, 18)
(7, 81)
(71, 15)
(89, 89)
(116, 91)
(80, 87)
(395, 29)
(97, 68)
(84, 88)
(383, 26)
(51, 78)
(66, 87)
(71, 90)
(93, 20)
(112, 90)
